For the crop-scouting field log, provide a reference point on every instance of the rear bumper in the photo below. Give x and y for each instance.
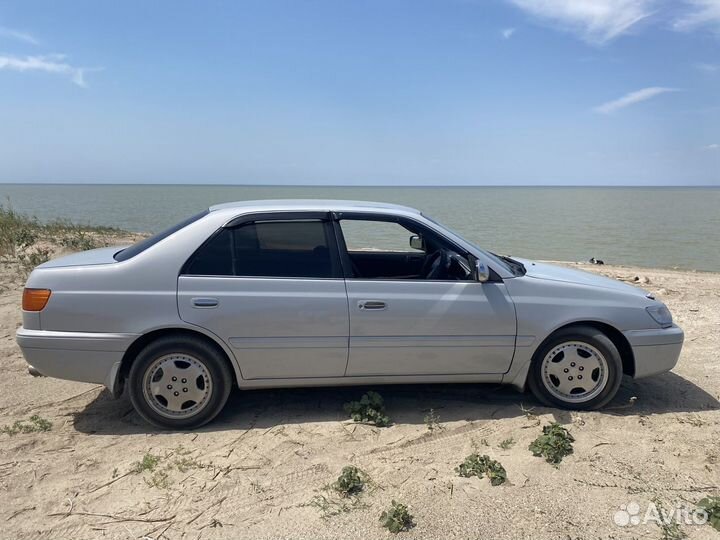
(76, 356)
(655, 351)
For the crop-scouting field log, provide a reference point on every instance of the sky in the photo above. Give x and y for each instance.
(361, 92)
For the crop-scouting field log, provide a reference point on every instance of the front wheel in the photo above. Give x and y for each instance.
(576, 368)
(179, 382)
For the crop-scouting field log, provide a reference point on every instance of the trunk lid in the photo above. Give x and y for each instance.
(85, 258)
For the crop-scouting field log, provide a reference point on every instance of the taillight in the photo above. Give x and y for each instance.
(35, 299)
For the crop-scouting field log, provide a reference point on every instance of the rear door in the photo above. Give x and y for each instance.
(271, 287)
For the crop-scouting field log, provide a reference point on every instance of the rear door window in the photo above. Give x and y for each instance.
(300, 248)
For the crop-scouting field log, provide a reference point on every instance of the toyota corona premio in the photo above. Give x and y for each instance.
(265, 294)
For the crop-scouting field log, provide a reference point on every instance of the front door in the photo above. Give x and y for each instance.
(429, 317)
(273, 291)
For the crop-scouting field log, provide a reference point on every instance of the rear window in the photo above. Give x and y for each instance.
(266, 249)
(142, 245)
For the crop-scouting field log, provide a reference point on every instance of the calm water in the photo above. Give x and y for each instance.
(656, 227)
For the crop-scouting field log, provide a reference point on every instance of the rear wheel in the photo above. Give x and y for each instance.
(576, 368)
(179, 382)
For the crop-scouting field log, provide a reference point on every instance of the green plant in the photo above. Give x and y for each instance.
(396, 518)
(158, 479)
(351, 481)
(17, 232)
(432, 421)
(77, 239)
(507, 443)
(370, 409)
(477, 465)
(148, 463)
(711, 505)
(30, 259)
(332, 506)
(185, 464)
(669, 527)
(34, 425)
(554, 444)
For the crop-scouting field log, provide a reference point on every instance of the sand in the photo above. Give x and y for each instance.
(254, 471)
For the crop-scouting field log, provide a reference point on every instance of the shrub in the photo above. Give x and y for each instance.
(554, 444)
(370, 409)
(396, 518)
(477, 465)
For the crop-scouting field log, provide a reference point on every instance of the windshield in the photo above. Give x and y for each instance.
(142, 245)
(506, 262)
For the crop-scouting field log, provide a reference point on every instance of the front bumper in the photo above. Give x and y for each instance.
(655, 351)
(76, 356)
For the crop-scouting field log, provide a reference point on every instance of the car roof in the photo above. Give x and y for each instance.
(295, 205)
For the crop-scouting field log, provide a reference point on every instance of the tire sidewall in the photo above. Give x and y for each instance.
(215, 364)
(593, 337)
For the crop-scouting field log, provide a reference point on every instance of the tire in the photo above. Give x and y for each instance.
(559, 371)
(179, 382)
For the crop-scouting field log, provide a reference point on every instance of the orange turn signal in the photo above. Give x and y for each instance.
(35, 299)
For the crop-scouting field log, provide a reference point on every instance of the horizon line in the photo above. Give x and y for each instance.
(363, 185)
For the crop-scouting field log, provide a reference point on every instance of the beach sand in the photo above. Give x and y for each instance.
(256, 470)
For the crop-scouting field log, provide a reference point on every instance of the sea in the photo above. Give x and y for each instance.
(661, 227)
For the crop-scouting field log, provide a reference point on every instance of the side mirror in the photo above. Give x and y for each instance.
(482, 272)
(416, 242)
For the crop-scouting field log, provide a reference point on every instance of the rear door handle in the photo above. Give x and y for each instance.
(372, 304)
(205, 302)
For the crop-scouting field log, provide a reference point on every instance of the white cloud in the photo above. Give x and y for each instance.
(713, 146)
(18, 35)
(507, 33)
(632, 98)
(595, 21)
(53, 63)
(703, 13)
(707, 68)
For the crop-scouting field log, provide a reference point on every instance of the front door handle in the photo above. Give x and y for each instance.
(205, 302)
(372, 304)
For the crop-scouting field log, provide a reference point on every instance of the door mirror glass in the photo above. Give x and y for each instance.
(416, 242)
(482, 272)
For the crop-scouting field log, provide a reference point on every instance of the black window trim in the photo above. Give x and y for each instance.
(336, 268)
(400, 220)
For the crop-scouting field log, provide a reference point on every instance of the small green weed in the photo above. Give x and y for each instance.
(148, 463)
(711, 505)
(351, 481)
(669, 527)
(507, 443)
(477, 465)
(36, 424)
(396, 518)
(432, 421)
(370, 409)
(343, 495)
(159, 479)
(554, 444)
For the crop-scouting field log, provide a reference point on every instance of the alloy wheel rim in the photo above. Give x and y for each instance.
(177, 385)
(574, 372)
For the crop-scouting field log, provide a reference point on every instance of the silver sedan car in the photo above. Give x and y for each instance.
(318, 293)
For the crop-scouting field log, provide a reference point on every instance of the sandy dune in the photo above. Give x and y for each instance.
(252, 473)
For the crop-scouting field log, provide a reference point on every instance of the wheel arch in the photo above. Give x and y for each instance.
(134, 349)
(615, 335)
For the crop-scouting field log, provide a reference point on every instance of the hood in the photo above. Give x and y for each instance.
(552, 272)
(85, 258)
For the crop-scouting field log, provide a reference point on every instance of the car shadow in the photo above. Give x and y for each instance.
(406, 404)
